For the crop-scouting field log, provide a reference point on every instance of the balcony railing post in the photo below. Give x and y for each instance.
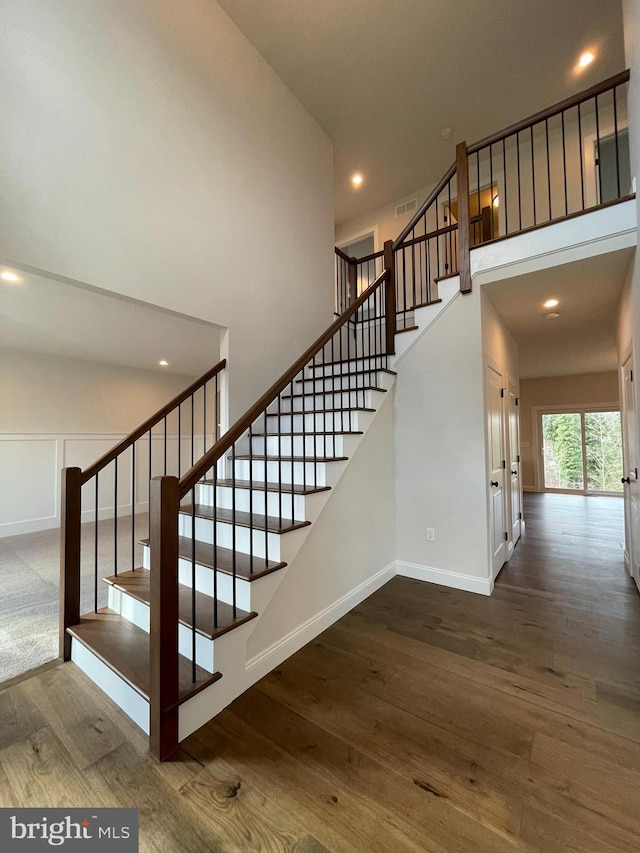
(70, 504)
(390, 296)
(163, 639)
(462, 180)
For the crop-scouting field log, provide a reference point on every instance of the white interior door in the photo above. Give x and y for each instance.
(514, 465)
(497, 469)
(630, 474)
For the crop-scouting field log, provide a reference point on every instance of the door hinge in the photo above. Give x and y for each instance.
(504, 463)
(502, 392)
(518, 458)
(631, 374)
(517, 401)
(519, 516)
(506, 536)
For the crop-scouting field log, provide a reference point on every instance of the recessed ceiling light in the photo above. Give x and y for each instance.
(586, 59)
(552, 315)
(163, 363)
(7, 275)
(357, 180)
(550, 303)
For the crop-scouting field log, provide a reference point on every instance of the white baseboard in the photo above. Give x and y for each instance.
(261, 664)
(456, 580)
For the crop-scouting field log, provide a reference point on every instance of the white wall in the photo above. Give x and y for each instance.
(440, 452)
(154, 153)
(349, 551)
(59, 412)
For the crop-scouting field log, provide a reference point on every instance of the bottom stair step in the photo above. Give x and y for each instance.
(124, 648)
(210, 624)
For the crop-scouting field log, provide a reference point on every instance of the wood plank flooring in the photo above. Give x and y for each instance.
(427, 719)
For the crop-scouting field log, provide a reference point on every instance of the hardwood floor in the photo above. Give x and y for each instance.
(427, 719)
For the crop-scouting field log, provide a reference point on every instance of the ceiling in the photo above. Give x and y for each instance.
(48, 316)
(583, 338)
(383, 79)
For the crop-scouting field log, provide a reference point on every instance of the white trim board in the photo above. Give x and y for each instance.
(262, 663)
(455, 580)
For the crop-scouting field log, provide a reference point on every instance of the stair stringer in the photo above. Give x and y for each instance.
(448, 290)
(331, 573)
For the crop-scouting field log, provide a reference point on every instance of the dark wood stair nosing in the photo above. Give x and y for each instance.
(247, 616)
(184, 553)
(321, 411)
(253, 521)
(261, 456)
(261, 486)
(336, 391)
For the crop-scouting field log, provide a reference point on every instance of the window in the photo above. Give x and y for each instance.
(582, 451)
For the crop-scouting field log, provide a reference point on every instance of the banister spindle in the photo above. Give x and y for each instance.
(390, 303)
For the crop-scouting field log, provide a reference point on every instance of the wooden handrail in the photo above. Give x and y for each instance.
(561, 106)
(447, 229)
(206, 462)
(365, 258)
(425, 205)
(344, 256)
(110, 455)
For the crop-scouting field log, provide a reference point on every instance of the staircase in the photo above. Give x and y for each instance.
(243, 515)
(167, 638)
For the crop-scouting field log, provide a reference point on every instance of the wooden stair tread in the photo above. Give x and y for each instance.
(310, 458)
(255, 485)
(245, 519)
(224, 559)
(426, 304)
(337, 390)
(138, 585)
(287, 433)
(407, 329)
(319, 365)
(124, 648)
(321, 411)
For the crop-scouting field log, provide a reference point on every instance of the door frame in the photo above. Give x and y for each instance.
(630, 548)
(491, 364)
(576, 408)
(360, 235)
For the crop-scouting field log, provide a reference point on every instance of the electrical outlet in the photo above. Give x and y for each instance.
(431, 534)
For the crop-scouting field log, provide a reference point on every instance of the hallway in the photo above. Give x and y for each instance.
(427, 719)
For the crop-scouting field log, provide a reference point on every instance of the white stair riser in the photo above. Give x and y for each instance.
(243, 539)
(120, 692)
(254, 500)
(138, 612)
(345, 382)
(223, 587)
(355, 366)
(340, 400)
(271, 471)
(318, 422)
(303, 445)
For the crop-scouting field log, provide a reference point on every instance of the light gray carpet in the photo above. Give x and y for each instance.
(29, 588)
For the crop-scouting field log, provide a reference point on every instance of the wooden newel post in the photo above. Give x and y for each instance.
(353, 281)
(163, 639)
(70, 509)
(464, 245)
(390, 297)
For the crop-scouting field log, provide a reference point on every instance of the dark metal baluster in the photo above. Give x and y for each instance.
(599, 152)
(519, 184)
(533, 177)
(266, 480)
(504, 168)
(233, 529)
(214, 561)
(564, 166)
(165, 445)
(491, 200)
(477, 194)
(615, 130)
(115, 518)
(216, 409)
(546, 133)
(149, 486)
(581, 155)
(193, 430)
(133, 507)
(265, 439)
(95, 551)
(179, 439)
(193, 583)
(204, 412)
(292, 441)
